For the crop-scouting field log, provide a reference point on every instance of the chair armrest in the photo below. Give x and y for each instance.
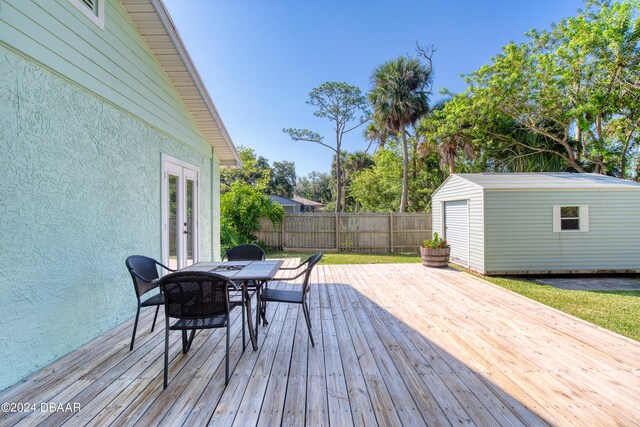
(164, 266)
(297, 267)
(302, 271)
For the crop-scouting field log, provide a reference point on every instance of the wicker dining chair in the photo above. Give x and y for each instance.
(295, 296)
(245, 252)
(196, 300)
(144, 271)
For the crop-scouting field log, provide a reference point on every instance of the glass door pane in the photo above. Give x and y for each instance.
(173, 229)
(189, 225)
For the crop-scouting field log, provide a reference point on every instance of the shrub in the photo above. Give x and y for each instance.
(241, 209)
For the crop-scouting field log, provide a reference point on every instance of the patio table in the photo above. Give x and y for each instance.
(259, 272)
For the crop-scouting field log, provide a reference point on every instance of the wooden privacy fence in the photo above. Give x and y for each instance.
(348, 232)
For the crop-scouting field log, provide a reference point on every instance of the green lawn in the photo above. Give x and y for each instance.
(618, 311)
(346, 258)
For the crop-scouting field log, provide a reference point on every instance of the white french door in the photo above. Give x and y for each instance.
(179, 213)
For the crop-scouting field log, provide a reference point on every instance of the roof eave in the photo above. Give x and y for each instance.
(193, 72)
(229, 157)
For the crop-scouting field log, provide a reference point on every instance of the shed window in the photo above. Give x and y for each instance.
(92, 9)
(570, 218)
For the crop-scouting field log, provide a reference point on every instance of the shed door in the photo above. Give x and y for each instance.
(456, 231)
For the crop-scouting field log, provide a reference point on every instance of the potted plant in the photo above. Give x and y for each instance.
(435, 252)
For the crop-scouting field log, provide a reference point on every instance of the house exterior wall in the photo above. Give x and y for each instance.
(115, 64)
(81, 190)
(214, 213)
(519, 231)
(456, 188)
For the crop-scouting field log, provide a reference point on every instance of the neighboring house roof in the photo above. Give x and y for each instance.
(544, 180)
(306, 202)
(283, 200)
(155, 25)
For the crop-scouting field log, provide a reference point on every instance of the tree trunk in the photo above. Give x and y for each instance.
(452, 164)
(414, 160)
(405, 172)
(338, 176)
(573, 164)
(623, 159)
(344, 198)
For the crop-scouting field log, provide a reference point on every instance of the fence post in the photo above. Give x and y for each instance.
(391, 232)
(282, 233)
(337, 232)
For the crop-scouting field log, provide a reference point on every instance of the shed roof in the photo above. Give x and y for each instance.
(545, 180)
(156, 27)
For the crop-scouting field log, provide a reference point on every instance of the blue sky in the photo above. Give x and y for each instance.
(260, 59)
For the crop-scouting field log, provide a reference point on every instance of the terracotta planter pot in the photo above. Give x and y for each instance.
(437, 258)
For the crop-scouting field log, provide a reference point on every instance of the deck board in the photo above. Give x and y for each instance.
(395, 345)
(317, 406)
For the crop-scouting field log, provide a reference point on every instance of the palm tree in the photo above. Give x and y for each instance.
(400, 96)
(376, 133)
(450, 149)
(450, 146)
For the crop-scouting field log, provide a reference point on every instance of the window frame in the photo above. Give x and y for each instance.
(97, 16)
(583, 218)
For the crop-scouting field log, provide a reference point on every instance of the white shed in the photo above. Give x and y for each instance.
(540, 223)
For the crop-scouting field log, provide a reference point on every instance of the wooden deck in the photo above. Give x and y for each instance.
(395, 345)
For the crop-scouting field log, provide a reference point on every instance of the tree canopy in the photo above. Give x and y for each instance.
(379, 188)
(316, 186)
(346, 108)
(255, 171)
(569, 93)
(283, 179)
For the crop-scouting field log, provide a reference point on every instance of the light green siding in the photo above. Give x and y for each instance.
(215, 207)
(456, 188)
(81, 185)
(519, 231)
(115, 64)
